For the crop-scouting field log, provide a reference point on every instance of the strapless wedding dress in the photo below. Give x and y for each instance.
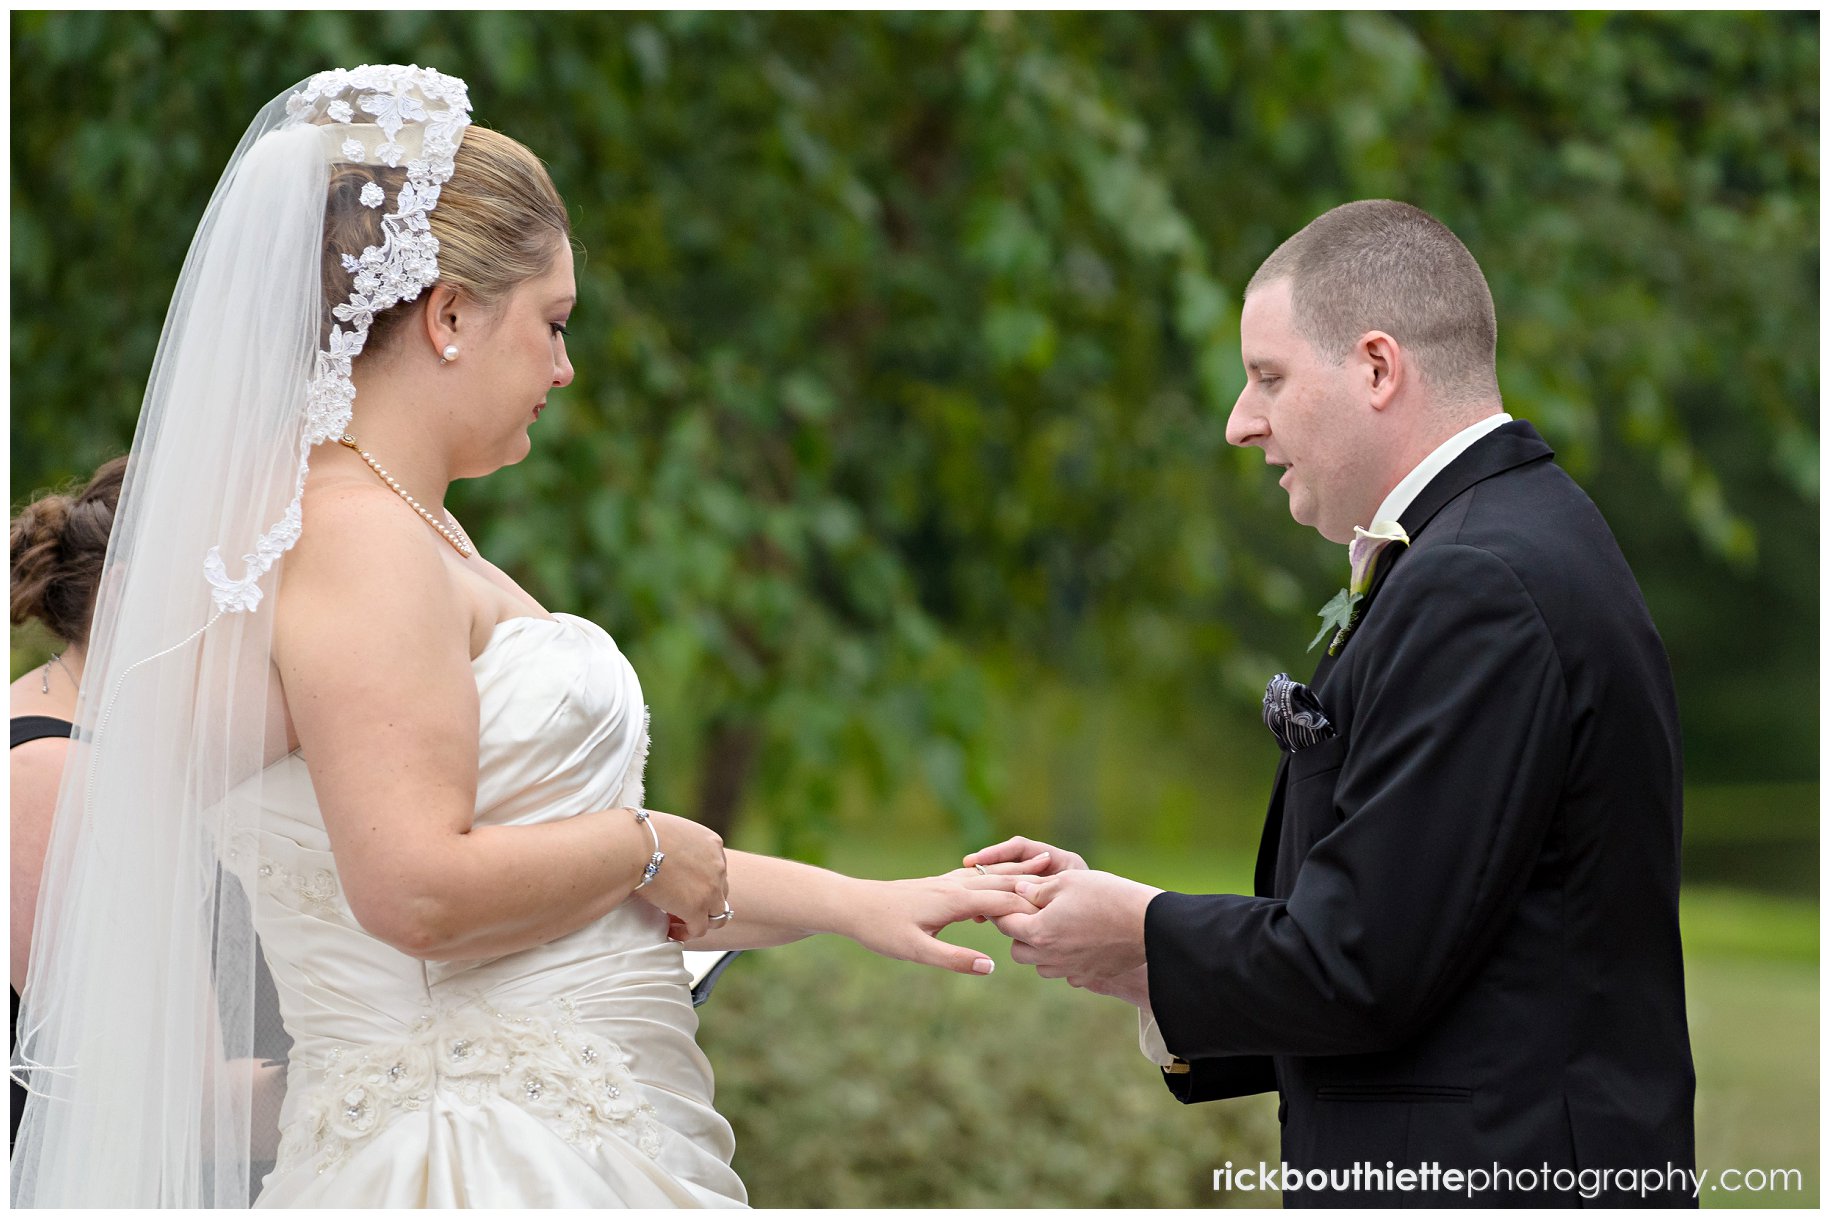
(563, 1075)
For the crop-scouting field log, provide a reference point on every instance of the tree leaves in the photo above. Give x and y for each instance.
(906, 339)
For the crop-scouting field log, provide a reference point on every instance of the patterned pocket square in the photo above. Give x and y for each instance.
(1294, 715)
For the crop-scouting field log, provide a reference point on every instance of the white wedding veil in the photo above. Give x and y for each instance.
(140, 1038)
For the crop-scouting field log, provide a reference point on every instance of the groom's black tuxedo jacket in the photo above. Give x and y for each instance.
(1463, 947)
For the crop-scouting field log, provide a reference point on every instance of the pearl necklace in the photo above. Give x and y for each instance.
(460, 541)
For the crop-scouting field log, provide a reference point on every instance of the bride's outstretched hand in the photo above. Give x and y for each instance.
(903, 918)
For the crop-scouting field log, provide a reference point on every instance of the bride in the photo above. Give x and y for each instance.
(418, 790)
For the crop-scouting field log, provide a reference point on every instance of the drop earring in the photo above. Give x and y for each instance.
(451, 353)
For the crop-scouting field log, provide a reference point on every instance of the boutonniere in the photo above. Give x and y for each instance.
(1342, 612)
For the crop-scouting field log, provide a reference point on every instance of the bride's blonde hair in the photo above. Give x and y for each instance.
(499, 223)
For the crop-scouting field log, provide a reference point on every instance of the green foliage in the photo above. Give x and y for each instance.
(1336, 616)
(1760, 836)
(853, 1081)
(1736, 925)
(906, 341)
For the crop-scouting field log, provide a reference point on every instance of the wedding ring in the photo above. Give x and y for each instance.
(726, 916)
(983, 870)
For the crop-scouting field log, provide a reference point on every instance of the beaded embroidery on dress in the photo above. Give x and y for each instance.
(562, 1075)
(576, 1080)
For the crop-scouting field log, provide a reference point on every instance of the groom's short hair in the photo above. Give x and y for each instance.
(1383, 265)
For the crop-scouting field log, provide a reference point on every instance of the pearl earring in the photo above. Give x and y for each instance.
(451, 353)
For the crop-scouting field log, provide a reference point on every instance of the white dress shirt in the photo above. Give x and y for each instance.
(1149, 1039)
(1412, 484)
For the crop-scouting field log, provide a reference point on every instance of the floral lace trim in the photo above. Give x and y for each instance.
(404, 263)
(314, 890)
(578, 1082)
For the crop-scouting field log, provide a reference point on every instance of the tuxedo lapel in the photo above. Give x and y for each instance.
(1264, 874)
(1507, 447)
(1326, 664)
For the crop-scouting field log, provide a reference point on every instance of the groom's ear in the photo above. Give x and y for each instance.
(1382, 365)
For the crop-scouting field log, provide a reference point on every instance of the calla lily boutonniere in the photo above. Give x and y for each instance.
(1342, 613)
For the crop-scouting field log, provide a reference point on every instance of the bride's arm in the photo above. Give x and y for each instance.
(778, 901)
(373, 646)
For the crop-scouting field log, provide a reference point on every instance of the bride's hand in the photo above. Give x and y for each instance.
(691, 885)
(1035, 865)
(900, 919)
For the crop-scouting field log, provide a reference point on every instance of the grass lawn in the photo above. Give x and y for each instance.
(1751, 979)
(853, 1081)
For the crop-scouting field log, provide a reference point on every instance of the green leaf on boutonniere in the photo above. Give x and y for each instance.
(1335, 616)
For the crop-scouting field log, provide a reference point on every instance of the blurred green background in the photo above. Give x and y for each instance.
(896, 463)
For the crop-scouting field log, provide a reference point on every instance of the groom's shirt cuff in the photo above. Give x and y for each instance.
(1150, 1041)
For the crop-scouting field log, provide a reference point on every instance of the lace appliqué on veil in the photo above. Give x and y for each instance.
(397, 270)
(576, 1081)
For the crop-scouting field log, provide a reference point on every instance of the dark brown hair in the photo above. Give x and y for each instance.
(499, 221)
(59, 541)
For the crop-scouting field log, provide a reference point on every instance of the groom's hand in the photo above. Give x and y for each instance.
(1042, 858)
(1035, 865)
(1133, 988)
(1087, 925)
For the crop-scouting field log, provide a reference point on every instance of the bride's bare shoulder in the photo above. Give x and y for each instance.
(338, 514)
(362, 557)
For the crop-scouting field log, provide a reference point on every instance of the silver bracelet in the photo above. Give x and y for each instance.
(654, 861)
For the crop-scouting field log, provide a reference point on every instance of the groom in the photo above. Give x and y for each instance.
(1463, 946)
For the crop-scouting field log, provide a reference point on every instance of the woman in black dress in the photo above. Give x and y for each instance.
(59, 542)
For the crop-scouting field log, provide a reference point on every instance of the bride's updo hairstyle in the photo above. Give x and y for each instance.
(499, 222)
(59, 542)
